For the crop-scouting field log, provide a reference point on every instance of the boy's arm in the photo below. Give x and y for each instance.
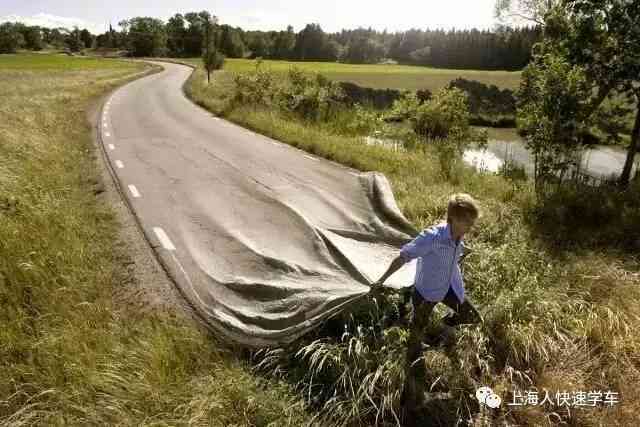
(395, 265)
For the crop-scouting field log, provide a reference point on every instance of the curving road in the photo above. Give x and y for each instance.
(264, 240)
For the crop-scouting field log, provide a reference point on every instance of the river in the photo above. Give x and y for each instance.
(505, 145)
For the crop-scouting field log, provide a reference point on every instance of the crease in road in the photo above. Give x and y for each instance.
(264, 244)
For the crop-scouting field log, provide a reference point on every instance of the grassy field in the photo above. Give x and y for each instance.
(70, 354)
(382, 76)
(559, 294)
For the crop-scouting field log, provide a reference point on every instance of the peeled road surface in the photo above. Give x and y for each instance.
(263, 240)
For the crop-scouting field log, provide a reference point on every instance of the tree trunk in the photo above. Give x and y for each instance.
(208, 77)
(633, 148)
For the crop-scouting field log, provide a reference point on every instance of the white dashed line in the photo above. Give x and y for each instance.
(164, 239)
(216, 119)
(134, 191)
(107, 134)
(112, 147)
(309, 157)
(104, 125)
(119, 164)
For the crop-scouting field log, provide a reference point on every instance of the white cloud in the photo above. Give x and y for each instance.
(52, 21)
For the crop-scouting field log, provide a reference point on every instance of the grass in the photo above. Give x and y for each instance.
(381, 76)
(558, 317)
(70, 352)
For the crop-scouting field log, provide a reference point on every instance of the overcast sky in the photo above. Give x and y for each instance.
(332, 15)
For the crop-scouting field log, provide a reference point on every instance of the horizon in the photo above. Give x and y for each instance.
(251, 16)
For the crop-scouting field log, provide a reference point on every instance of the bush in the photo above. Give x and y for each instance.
(308, 96)
(380, 99)
(311, 96)
(443, 121)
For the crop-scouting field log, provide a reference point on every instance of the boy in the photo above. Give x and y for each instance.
(438, 279)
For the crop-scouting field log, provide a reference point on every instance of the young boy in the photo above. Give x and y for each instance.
(438, 279)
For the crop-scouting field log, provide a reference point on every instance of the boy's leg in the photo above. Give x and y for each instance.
(415, 373)
(464, 313)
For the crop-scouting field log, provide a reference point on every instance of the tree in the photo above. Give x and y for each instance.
(213, 60)
(604, 38)
(10, 38)
(260, 44)
(230, 42)
(146, 36)
(534, 11)
(364, 49)
(176, 33)
(284, 44)
(72, 40)
(552, 102)
(87, 38)
(312, 44)
(31, 35)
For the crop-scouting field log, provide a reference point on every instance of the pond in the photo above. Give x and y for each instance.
(505, 145)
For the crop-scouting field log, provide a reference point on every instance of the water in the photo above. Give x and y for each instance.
(505, 145)
(598, 161)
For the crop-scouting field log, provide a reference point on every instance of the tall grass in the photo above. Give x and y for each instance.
(557, 317)
(70, 354)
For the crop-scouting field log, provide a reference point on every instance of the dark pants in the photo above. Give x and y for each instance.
(415, 372)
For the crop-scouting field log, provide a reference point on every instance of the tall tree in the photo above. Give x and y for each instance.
(10, 38)
(146, 36)
(87, 38)
(176, 33)
(231, 43)
(284, 44)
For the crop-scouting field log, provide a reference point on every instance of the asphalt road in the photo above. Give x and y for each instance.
(262, 239)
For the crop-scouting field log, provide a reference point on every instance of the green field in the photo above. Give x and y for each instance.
(382, 76)
(57, 62)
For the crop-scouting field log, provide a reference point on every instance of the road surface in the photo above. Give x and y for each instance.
(262, 239)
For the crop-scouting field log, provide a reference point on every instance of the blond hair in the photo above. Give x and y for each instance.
(462, 206)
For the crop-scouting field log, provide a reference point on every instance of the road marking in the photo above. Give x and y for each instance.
(107, 134)
(119, 164)
(134, 191)
(216, 118)
(112, 147)
(164, 239)
(104, 124)
(309, 157)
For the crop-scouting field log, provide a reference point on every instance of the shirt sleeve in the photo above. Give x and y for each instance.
(420, 246)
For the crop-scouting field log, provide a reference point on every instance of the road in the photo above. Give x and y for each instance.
(263, 240)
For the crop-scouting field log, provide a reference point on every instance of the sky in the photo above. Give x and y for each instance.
(332, 15)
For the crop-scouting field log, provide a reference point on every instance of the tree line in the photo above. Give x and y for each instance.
(16, 35)
(183, 35)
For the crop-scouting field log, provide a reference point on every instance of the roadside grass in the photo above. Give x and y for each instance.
(380, 76)
(557, 319)
(71, 353)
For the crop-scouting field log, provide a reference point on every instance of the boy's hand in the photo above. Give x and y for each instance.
(375, 287)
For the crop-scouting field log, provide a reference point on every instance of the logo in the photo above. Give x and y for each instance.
(486, 396)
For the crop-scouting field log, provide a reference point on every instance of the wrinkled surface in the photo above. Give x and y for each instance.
(269, 241)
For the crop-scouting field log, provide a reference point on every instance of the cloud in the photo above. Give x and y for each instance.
(52, 21)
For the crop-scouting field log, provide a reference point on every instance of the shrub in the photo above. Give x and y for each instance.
(311, 96)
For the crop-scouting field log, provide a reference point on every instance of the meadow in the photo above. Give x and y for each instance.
(73, 350)
(558, 288)
(380, 76)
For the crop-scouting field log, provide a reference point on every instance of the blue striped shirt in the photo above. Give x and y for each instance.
(437, 267)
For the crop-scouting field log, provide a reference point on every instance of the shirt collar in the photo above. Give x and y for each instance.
(448, 236)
